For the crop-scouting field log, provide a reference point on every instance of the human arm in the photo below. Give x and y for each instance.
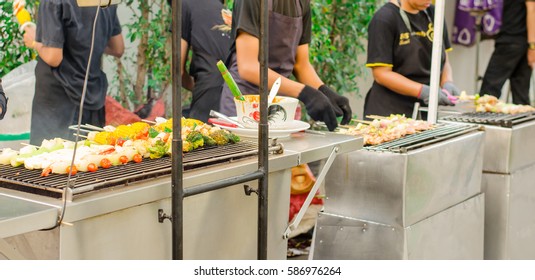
(446, 79)
(400, 84)
(247, 51)
(115, 46)
(3, 101)
(318, 106)
(306, 74)
(51, 55)
(187, 80)
(530, 23)
(383, 75)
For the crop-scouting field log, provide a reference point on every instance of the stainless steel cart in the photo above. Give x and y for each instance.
(418, 197)
(121, 221)
(508, 183)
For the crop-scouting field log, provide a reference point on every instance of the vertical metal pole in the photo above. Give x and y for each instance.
(479, 17)
(263, 133)
(438, 27)
(177, 192)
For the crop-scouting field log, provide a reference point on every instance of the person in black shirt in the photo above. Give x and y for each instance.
(289, 38)
(203, 30)
(3, 101)
(399, 54)
(63, 41)
(514, 52)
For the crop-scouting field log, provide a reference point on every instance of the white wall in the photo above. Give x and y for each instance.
(463, 59)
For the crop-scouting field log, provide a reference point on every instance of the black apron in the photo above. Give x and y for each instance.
(52, 109)
(282, 53)
(206, 94)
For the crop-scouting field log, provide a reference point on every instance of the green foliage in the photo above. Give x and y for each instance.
(339, 29)
(147, 69)
(13, 53)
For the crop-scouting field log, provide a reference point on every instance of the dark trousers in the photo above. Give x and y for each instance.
(508, 62)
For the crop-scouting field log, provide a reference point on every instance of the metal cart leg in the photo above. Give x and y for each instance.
(297, 219)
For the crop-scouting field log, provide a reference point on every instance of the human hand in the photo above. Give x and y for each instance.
(29, 36)
(531, 58)
(443, 98)
(451, 89)
(318, 106)
(340, 103)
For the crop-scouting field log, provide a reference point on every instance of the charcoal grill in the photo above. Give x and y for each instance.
(508, 182)
(30, 181)
(417, 140)
(489, 118)
(417, 197)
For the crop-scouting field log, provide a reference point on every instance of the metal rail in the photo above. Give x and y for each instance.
(178, 193)
(497, 119)
(420, 139)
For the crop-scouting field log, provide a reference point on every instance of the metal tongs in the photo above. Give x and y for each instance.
(216, 114)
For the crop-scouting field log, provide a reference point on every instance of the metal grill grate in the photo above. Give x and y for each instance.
(30, 181)
(414, 141)
(497, 119)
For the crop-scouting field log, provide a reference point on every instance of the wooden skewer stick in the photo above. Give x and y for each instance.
(361, 121)
(93, 127)
(27, 144)
(376, 117)
(147, 121)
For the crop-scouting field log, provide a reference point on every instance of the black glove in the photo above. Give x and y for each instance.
(318, 106)
(442, 96)
(451, 88)
(3, 102)
(340, 103)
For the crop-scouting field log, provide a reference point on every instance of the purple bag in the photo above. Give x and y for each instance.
(464, 27)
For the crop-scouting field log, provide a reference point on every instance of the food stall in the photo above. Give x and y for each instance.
(410, 198)
(508, 181)
(115, 213)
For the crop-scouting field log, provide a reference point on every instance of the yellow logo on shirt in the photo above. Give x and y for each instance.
(404, 39)
(430, 32)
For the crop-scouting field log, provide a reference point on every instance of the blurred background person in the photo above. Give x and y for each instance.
(63, 41)
(400, 43)
(207, 34)
(289, 39)
(513, 58)
(3, 101)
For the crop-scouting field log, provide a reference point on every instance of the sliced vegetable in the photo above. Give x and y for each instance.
(137, 158)
(73, 171)
(123, 159)
(46, 172)
(105, 163)
(92, 167)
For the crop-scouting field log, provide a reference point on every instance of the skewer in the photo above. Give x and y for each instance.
(79, 135)
(376, 117)
(149, 122)
(345, 126)
(94, 127)
(65, 140)
(27, 144)
(361, 121)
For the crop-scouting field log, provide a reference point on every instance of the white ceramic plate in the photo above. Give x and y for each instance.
(293, 127)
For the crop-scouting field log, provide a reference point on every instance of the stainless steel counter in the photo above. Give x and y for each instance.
(422, 204)
(121, 222)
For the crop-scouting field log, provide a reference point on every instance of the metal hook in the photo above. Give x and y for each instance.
(162, 216)
(248, 190)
